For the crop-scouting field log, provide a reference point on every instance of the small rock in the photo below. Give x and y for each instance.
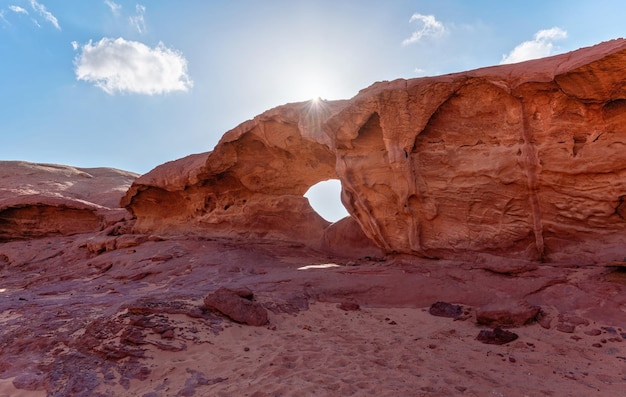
(507, 314)
(593, 332)
(565, 327)
(496, 337)
(445, 309)
(348, 306)
(544, 319)
(169, 334)
(597, 345)
(575, 320)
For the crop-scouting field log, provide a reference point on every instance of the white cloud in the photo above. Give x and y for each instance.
(542, 45)
(115, 8)
(138, 21)
(47, 15)
(118, 65)
(429, 27)
(74, 45)
(3, 18)
(18, 10)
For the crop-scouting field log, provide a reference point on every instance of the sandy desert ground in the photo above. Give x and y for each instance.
(131, 322)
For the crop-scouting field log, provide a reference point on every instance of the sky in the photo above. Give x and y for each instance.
(133, 84)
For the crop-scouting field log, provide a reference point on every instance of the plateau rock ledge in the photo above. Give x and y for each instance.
(39, 200)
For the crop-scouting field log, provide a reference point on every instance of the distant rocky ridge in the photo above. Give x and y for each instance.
(524, 161)
(38, 200)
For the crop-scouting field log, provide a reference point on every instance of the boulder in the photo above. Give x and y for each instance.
(237, 305)
(507, 314)
(525, 161)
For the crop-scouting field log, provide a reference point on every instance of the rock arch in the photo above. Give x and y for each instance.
(252, 185)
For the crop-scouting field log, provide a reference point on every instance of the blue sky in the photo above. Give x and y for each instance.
(70, 92)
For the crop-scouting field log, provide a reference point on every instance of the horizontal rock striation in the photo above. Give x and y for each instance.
(38, 200)
(525, 160)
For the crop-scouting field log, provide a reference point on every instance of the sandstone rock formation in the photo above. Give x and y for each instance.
(525, 160)
(39, 200)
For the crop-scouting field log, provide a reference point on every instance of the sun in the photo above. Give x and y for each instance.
(311, 91)
(312, 85)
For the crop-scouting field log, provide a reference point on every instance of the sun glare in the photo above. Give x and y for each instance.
(320, 266)
(310, 88)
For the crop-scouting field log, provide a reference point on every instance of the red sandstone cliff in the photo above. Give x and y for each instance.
(525, 160)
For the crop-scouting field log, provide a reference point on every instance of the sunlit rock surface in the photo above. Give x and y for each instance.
(39, 200)
(525, 160)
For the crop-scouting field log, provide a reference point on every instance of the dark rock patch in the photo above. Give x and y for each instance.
(497, 336)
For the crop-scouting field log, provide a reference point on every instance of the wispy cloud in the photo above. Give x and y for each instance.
(429, 26)
(138, 20)
(18, 10)
(118, 65)
(3, 18)
(45, 14)
(115, 8)
(542, 45)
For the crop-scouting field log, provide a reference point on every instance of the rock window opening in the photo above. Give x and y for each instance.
(325, 198)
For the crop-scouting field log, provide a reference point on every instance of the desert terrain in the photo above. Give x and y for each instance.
(484, 254)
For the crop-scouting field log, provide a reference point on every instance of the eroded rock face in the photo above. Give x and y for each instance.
(39, 200)
(525, 160)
